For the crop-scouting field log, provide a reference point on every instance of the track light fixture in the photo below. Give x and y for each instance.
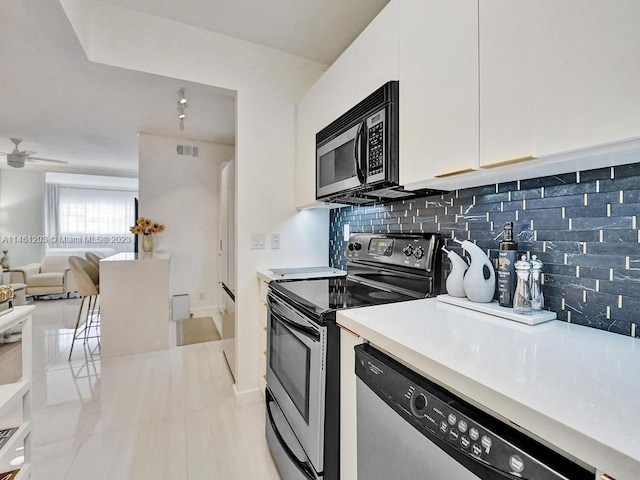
(181, 107)
(182, 99)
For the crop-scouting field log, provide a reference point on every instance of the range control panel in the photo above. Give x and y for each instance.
(404, 250)
(448, 420)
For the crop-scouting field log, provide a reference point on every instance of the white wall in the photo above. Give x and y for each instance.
(83, 180)
(182, 193)
(22, 214)
(268, 84)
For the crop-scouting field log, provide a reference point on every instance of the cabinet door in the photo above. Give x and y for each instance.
(505, 78)
(373, 58)
(367, 64)
(326, 100)
(438, 88)
(348, 426)
(586, 62)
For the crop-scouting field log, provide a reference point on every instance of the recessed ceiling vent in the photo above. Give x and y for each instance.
(188, 150)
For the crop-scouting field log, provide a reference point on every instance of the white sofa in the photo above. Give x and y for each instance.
(53, 275)
(104, 252)
(50, 277)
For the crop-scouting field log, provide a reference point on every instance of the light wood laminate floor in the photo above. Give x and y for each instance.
(163, 415)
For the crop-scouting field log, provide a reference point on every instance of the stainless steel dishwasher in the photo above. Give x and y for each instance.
(410, 428)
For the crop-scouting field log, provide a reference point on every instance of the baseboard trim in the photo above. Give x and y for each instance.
(242, 399)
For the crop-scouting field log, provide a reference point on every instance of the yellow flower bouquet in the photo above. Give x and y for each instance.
(144, 226)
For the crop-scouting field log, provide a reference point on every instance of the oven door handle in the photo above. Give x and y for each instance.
(306, 469)
(301, 329)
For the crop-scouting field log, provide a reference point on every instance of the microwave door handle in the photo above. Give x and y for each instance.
(357, 153)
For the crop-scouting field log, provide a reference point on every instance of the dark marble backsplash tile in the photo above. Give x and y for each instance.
(582, 225)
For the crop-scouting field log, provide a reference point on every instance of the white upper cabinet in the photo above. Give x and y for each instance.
(586, 63)
(369, 62)
(556, 75)
(490, 90)
(505, 80)
(438, 88)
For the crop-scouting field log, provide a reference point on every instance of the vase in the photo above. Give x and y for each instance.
(147, 243)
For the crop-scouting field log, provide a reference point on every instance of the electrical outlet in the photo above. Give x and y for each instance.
(275, 241)
(345, 232)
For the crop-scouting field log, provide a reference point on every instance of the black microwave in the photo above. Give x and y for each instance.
(357, 154)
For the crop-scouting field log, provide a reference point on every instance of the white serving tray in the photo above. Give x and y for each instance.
(495, 309)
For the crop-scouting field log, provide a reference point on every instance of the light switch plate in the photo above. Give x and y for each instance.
(275, 241)
(258, 241)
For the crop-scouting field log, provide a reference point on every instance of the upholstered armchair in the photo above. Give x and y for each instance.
(50, 277)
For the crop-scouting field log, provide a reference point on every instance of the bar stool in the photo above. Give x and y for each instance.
(85, 276)
(94, 259)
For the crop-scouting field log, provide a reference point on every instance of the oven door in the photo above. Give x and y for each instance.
(296, 350)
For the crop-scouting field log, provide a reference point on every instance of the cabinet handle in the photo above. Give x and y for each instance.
(264, 328)
(346, 330)
(264, 352)
(511, 161)
(457, 172)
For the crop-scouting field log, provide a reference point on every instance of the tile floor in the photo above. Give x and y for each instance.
(162, 415)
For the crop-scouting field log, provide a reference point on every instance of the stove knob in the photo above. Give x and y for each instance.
(408, 250)
(350, 247)
(419, 253)
(357, 246)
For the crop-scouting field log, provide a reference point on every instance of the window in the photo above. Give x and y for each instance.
(84, 217)
(90, 211)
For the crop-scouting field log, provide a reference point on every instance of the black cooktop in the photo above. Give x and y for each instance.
(325, 295)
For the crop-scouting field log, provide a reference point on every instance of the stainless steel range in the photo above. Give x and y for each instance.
(303, 343)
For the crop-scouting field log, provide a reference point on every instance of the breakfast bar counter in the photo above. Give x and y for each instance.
(134, 303)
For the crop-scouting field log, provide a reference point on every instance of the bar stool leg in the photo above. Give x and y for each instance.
(75, 331)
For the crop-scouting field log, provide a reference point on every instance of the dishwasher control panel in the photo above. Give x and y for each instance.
(458, 427)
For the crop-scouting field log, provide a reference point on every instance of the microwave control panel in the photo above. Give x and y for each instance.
(375, 143)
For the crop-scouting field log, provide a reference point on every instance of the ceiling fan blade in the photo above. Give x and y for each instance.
(37, 159)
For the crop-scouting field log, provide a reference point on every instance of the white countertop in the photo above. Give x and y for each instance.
(298, 273)
(131, 256)
(266, 275)
(574, 386)
(15, 316)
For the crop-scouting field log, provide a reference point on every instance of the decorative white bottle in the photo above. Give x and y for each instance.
(480, 279)
(459, 266)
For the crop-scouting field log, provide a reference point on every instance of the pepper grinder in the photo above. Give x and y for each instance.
(537, 299)
(522, 297)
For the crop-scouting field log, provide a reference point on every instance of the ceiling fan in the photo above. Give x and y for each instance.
(18, 158)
